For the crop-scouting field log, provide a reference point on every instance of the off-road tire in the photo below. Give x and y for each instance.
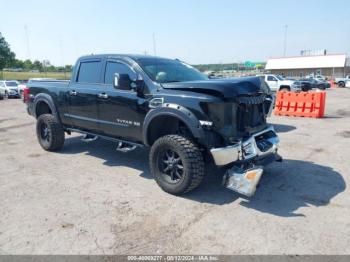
(192, 160)
(55, 135)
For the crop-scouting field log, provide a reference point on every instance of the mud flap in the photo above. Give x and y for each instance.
(243, 181)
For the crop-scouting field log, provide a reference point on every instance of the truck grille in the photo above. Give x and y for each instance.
(251, 113)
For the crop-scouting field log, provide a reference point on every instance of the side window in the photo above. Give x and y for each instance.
(271, 78)
(89, 72)
(120, 68)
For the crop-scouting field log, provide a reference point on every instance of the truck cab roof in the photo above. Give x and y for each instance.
(130, 56)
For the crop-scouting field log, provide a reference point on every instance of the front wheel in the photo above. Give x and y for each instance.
(177, 164)
(50, 133)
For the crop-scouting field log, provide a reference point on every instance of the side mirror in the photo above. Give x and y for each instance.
(122, 81)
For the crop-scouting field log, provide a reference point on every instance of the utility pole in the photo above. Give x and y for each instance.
(154, 45)
(285, 40)
(62, 58)
(27, 41)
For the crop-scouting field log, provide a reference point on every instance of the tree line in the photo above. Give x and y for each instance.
(222, 67)
(8, 61)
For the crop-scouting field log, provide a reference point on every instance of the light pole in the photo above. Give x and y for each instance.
(285, 40)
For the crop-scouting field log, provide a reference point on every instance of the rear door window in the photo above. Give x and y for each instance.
(89, 72)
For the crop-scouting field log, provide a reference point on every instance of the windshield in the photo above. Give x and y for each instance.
(11, 83)
(163, 70)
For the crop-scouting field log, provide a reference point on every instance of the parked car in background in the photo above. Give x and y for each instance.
(21, 86)
(2, 94)
(277, 83)
(341, 81)
(317, 84)
(10, 88)
(301, 85)
(318, 77)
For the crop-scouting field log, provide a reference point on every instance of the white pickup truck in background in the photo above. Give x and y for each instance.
(342, 80)
(277, 83)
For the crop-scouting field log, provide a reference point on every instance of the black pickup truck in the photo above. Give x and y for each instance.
(167, 105)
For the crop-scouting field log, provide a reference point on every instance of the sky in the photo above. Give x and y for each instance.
(206, 31)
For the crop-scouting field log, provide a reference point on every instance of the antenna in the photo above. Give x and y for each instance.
(27, 41)
(285, 40)
(154, 44)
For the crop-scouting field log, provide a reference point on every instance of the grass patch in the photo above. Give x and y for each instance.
(27, 75)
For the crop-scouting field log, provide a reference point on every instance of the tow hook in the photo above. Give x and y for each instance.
(243, 181)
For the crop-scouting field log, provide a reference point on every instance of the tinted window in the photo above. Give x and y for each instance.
(166, 70)
(11, 83)
(271, 78)
(89, 72)
(114, 67)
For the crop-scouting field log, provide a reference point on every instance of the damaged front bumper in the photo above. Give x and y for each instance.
(251, 154)
(256, 147)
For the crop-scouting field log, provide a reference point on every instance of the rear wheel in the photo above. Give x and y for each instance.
(176, 164)
(341, 84)
(284, 89)
(49, 132)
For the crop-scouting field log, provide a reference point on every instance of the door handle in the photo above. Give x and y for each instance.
(103, 95)
(73, 92)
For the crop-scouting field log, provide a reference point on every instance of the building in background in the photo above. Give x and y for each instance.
(329, 65)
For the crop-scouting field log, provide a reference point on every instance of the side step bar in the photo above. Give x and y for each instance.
(125, 147)
(89, 138)
(122, 145)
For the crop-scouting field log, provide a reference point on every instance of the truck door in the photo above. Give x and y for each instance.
(82, 95)
(272, 82)
(120, 111)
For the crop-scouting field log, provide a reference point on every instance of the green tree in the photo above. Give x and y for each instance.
(6, 55)
(38, 65)
(27, 65)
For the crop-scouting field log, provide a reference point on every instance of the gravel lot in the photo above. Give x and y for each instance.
(90, 199)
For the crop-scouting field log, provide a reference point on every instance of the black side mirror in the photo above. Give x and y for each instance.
(124, 82)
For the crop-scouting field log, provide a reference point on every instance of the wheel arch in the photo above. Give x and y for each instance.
(173, 111)
(41, 100)
(284, 86)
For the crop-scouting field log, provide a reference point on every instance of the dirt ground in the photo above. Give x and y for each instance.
(91, 199)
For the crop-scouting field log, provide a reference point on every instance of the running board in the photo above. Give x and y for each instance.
(126, 146)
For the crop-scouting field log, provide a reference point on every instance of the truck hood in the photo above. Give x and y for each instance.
(223, 88)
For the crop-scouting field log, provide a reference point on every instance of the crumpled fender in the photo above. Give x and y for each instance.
(177, 111)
